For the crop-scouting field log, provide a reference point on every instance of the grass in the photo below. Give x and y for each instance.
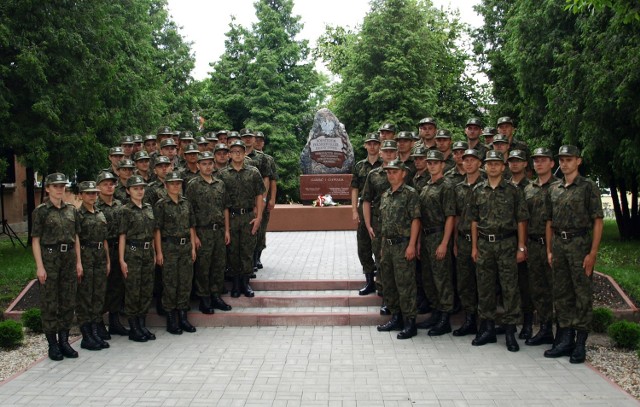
(620, 260)
(17, 268)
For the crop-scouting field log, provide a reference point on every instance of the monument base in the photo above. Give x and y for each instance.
(293, 218)
(336, 185)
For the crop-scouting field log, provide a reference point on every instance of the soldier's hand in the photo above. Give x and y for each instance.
(42, 275)
(371, 233)
(271, 205)
(108, 268)
(441, 251)
(79, 271)
(474, 254)
(256, 225)
(197, 243)
(227, 238)
(124, 269)
(355, 217)
(410, 253)
(455, 249)
(550, 259)
(193, 255)
(588, 263)
(520, 257)
(159, 259)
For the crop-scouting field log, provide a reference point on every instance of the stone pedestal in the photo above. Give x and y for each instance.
(336, 185)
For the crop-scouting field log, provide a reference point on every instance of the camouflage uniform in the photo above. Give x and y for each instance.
(209, 201)
(375, 185)
(137, 224)
(242, 187)
(526, 305)
(261, 162)
(114, 297)
(154, 192)
(449, 163)
(261, 243)
(120, 193)
(420, 180)
(187, 175)
(92, 288)
(572, 210)
(410, 167)
(397, 211)
(498, 212)
(454, 176)
(481, 148)
(365, 253)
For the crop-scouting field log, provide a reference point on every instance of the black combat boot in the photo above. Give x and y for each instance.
(564, 346)
(184, 322)
(409, 330)
(394, 324)
(430, 322)
(255, 262)
(579, 352)
(218, 302)
(487, 334)
(424, 306)
(96, 336)
(246, 289)
(54, 348)
(172, 323)
(103, 333)
(510, 338)
(142, 323)
(65, 348)
(205, 305)
(384, 310)
(135, 334)
(115, 326)
(258, 259)
(442, 327)
(527, 326)
(468, 326)
(370, 285)
(235, 289)
(544, 335)
(88, 342)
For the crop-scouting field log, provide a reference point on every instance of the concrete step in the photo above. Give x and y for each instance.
(305, 298)
(264, 283)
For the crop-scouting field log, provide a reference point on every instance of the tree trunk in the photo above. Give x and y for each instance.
(624, 206)
(635, 219)
(613, 186)
(31, 201)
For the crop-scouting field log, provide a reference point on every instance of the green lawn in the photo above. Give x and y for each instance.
(16, 269)
(620, 260)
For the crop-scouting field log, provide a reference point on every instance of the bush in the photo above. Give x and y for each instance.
(625, 334)
(11, 334)
(602, 318)
(31, 319)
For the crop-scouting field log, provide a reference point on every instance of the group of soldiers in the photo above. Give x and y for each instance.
(172, 215)
(445, 225)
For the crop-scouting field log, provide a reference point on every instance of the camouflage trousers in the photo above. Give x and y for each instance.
(139, 282)
(540, 280)
(497, 262)
(211, 262)
(58, 293)
(261, 241)
(398, 279)
(572, 289)
(177, 275)
(376, 248)
(365, 250)
(466, 277)
(526, 305)
(93, 285)
(114, 296)
(436, 274)
(242, 245)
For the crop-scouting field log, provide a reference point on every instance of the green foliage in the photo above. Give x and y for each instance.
(32, 319)
(18, 268)
(625, 334)
(620, 259)
(602, 318)
(11, 334)
(627, 10)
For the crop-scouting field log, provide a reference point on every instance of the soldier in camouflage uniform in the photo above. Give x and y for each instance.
(443, 144)
(126, 142)
(184, 139)
(142, 162)
(125, 171)
(501, 145)
(151, 147)
(506, 127)
(114, 298)
(169, 149)
(156, 189)
(488, 133)
(94, 253)
(190, 170)
(56, 250)
(245, 188)
(473, 130)
(540, 275)
(437, 208)
(498, 234)
(387, 132)
(137, 143)
(405, 141)
(221, 154)
(360, 172)
(175, 244)
(270, 204)
(212, 140)
(427, 130)
(222, 136)
(456, 174)
(115, 155)
(573, 232)
(203, 143)
(400, 218)
(208, 198)
(137, 258)
(422, 176)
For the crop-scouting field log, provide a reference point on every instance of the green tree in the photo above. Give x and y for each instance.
(627, 10)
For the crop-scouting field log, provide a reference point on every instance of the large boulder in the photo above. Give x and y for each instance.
(328, 149)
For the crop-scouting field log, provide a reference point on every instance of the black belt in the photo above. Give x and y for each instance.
(85, 244)
(176, 240)
(139, 244)
(496, 237)
(538, 238)
(570, 235)
(465, 236)
(212, 226)
(240, 211)
(395, 240)
(429, 231)
(59, 247)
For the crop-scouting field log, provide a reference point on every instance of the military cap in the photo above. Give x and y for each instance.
(435, 155)
(220, 146)
(489, 131)
(500, 138)
(211, 136)
(116, 151)
(56, 178)
(505, 119)
(569, 151)
(233, 134)
(170, 142)
(135, 181)
(517, 155)
(259, 134)
(419, 152)
(191, 148)
(137, 138)
(474, 121)
(201, 140)
(442, 133)
(105, 176)
(141, 155)
(126, 163)
(186, 136)
(493, 155)
(460, 145)
(372, 137)
(219, 132)
(205, 155)
(428, 120)
(237, 143)
(395, 165)
(150, 137)
(246, 133)
(173, 176)
(472, 152)
(164, 130)
(542, 152)
(389, 145)
(162, 159)
(404, 135)
(88, 186)
(388, 127)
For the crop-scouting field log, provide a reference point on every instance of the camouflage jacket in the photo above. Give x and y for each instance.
(242, 186)
(463, 192)
(261, 162)
(420, 180)
(574, 207)
(112, 214)
(374, 187)
(120, 193)
(136, 222)
(93, 226)
(360, 172)
(411, 170)
(174, 219)
(454, 175)
(437, 201)
(398, 210)
(208, 200)
(536, 196)
(154, 192)
(498, 210)
(55, 226)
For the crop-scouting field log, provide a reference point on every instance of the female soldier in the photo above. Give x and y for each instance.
(56, 250)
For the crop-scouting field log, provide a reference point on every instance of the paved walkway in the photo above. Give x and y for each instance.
(309, 366)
